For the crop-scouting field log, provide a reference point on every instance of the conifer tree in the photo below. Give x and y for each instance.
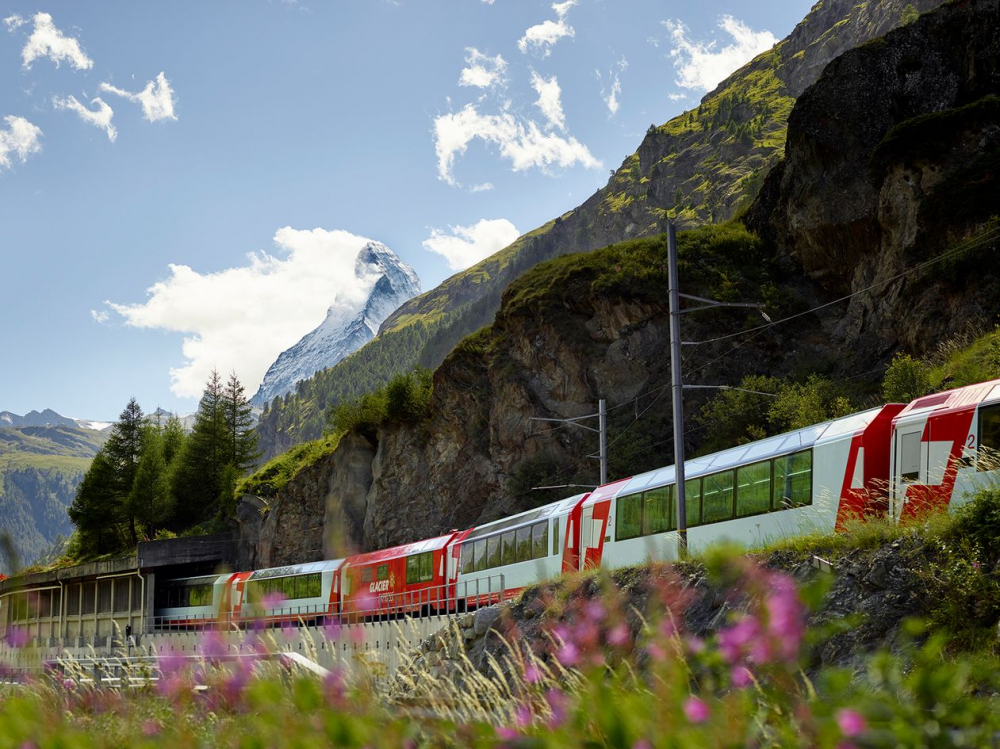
(241, 439)
(124, 450)
(149, 502)
(96, 510)
(198, 477)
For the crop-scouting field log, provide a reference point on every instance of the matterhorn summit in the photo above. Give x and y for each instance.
(347, 327)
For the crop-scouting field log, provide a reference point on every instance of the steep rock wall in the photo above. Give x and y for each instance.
(892, 161)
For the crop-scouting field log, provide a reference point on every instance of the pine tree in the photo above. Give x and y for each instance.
(124, 450)
(197, 479)
(149, 502)
(241, 439)
(96, 510)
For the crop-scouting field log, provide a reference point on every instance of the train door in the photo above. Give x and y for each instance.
(586, 534)
(910, 463)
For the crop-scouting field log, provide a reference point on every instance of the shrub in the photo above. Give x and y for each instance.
(906, 379)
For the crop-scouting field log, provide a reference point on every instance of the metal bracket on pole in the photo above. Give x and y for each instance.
(601, 429)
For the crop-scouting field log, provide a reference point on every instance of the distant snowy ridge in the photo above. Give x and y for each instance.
(346, 328)
(48, 418)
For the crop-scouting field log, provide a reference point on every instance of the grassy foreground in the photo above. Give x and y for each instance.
(602, 673)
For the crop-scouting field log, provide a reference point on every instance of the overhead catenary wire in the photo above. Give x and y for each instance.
(990, 235)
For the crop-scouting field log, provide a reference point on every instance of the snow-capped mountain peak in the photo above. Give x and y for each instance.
(347, 327)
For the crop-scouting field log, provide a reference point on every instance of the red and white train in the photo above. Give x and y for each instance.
(900, 460)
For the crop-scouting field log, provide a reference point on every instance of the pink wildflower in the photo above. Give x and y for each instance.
(618, 635)
(557, 702)
(507, 734)
(568, 654)
(786, 616)
(695, 709)
(642, 744)
(656, 652)
(851, 722)
(522, 716)
(695, 645)
(595, 611)
(734, 640)
(68, 684)
(531, 674)
(741, 677)
(18, 637)
(151, 728)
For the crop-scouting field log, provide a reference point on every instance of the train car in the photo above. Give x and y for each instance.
(813, 479)
(408, 579)
(945, 447)
(298, 592)
(191, 601)
(497, 560)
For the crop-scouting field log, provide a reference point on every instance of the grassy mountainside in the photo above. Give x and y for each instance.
(700, 166)
(40, 468)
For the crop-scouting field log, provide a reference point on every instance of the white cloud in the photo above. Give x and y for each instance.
(101, 118)
(48, 41)
(541, 37)
(242, 318)
(614, 90)
(702, 66)
(20, 137)
(521, 141)
(14, 22)
(467, 245)
(677, 97)
(484, 187)
(549, 100)
(483, 71)
(157, 99)
(100, 316)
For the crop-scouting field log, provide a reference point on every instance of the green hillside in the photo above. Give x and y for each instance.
(40, 468)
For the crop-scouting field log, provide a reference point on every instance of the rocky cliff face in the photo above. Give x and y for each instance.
(714, 158)
(346, 327)
(892, 161)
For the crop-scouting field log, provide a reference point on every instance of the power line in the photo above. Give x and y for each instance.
(972, 243)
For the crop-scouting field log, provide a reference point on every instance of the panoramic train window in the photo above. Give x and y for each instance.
(480, 555)
(366, 574)
(382, 572)
(989, 438)
(524, 544)
(309, 586)
(509, 543)
(199, 595)
(717, 497)
(628, 524)
(540, 540)
(468, 559)
(493, 551)
(555, 536)
(793, 480)
(656, 510)
(692, 501)
(753, 489)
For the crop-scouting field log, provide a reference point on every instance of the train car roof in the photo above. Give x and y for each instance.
(772, 447)
(297, 569)
(950, 400)
(524, 518)
(384, 555)
(605, 492)
(199, 580)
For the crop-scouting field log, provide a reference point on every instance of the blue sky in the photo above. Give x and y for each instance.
(290, 130)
